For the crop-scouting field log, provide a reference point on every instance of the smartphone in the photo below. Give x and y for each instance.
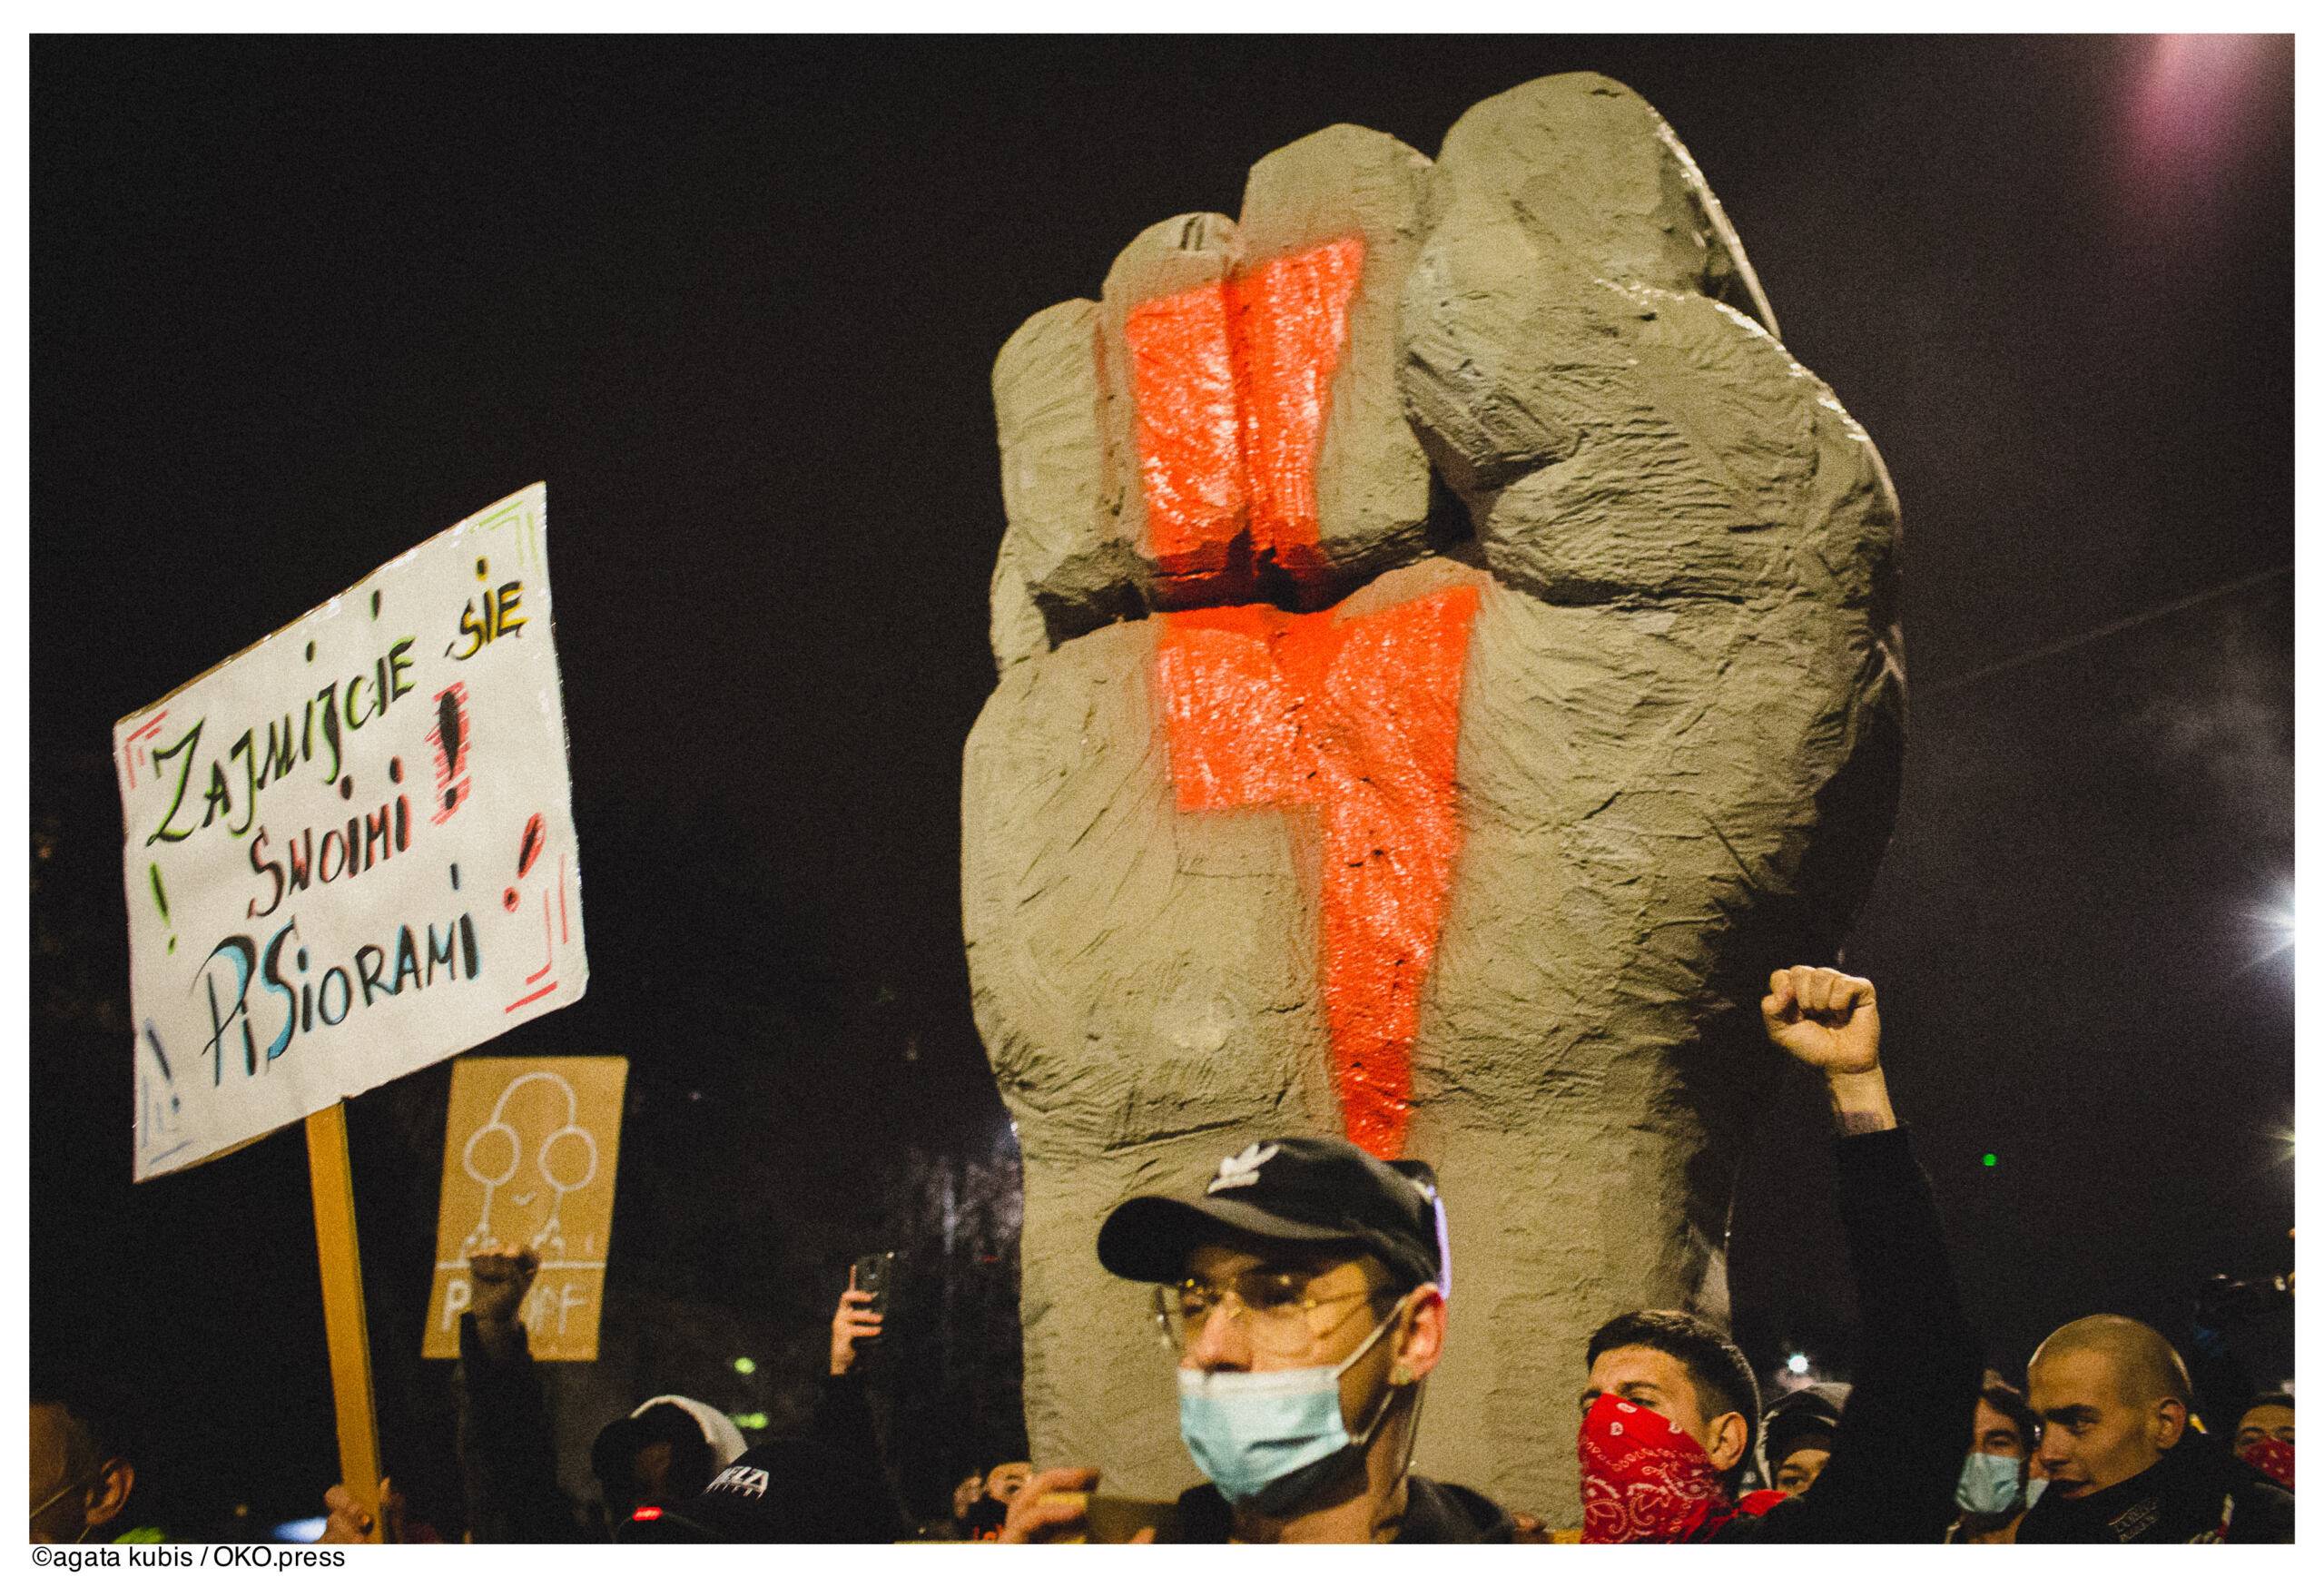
(872, 1273)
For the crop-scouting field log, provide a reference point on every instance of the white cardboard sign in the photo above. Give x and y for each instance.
(349, 848)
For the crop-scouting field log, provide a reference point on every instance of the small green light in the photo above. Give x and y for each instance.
(746, 1366)
(1992, 1160)
(750, 1420)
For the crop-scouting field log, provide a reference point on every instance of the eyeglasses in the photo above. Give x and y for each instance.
(1276, 1310)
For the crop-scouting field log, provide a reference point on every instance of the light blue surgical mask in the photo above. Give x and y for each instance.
(1270, 1435)
(2033, 1488)
(1990, 1484)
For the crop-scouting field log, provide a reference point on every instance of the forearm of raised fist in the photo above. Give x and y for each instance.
(1860, 1102)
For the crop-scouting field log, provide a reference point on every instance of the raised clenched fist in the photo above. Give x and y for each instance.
(1825, 1019)
(499, 1278)
(1446, 661)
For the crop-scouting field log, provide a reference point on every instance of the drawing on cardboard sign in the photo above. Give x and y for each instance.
(548, 1239)
(530, 1149)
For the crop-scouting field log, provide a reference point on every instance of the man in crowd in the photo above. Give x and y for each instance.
(2263, 1436)
(1795, 1436)
(1992, 1493)
(80, 1479)
(2115, 1400)
(1303, 1291)
(667, 1449)
(2125, 1466)
(1667, 1429)
(1668, 1410)
(792, 1490)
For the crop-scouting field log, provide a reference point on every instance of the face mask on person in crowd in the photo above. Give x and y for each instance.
(2033, 1488)
(2272, 1457)
(1989, 1483)
(1644, 1479)
(1264, 1436)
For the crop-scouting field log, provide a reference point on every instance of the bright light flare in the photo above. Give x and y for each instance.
(1797, 1363)
(2275, 928)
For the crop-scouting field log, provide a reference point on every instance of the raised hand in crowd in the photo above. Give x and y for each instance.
(1053, 1508)
(348, 1522)
(851, 1322)
(498, 1280)
(1831, 1023)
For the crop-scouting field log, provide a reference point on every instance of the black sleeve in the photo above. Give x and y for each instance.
(507, 1459)
(843, 1423)
(2262, 1514)
(844, 1416)
(1898, 1455)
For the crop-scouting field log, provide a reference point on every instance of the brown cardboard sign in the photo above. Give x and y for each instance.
(529, 1149)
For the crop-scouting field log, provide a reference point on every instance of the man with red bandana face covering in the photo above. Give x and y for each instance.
(2263, 1436)
(1671, 1407)
(1645, 1481)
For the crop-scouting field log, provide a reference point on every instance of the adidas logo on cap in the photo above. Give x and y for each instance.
(1241, 1169)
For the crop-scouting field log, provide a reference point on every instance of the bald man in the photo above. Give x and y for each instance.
(2123, 1463)
(79, 1485)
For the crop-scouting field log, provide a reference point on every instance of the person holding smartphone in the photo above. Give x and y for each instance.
(862, 1312)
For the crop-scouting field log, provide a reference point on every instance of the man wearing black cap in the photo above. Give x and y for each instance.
(789, 1490)
(1796, 1435)
(1303, 1293)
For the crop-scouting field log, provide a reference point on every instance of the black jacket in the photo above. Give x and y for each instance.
(1898, 1455)
(2197, 1494)
(1434, 1513)
(844, 1416)
(844, 1424)
(508, 1461)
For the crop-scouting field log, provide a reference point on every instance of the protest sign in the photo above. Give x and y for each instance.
(349, 848)
(529, 1150)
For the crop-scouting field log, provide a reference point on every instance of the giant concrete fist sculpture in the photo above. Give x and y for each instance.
(1447, 658)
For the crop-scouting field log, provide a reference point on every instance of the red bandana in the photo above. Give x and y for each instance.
(2272, 1457)
(1644, 1481)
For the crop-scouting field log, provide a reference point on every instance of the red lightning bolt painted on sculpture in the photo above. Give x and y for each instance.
(1358, 718)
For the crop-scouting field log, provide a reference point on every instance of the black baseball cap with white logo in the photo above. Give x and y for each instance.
(1323, 1192)
(788, 1490)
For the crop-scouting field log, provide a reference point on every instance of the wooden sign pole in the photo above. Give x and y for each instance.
(333, 1180)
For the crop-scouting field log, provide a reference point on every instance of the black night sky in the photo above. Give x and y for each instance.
(298, 304)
